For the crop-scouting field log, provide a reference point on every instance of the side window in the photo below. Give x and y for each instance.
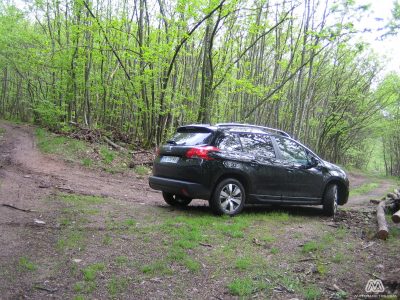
(257, 144)
(291, 151)
(229, 142)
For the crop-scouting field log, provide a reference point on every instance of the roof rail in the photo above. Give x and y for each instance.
(281, 132)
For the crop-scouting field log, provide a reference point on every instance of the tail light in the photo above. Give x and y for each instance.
(201, 152)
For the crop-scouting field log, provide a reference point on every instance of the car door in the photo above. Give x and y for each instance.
(303, 182)
(267, 175)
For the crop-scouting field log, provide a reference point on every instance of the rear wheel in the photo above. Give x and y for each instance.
(330, 204)
(176, 200)
(228, 198)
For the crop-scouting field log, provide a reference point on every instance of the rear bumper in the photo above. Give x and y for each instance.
(179, 187)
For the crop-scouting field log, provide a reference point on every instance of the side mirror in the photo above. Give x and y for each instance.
(313, 162)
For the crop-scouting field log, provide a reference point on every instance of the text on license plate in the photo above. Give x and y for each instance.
(169, 159)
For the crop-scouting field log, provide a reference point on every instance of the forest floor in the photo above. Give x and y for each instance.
(88, 232)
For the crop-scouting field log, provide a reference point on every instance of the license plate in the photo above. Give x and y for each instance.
(169, 159)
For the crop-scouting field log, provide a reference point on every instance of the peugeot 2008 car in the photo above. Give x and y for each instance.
(232, 165)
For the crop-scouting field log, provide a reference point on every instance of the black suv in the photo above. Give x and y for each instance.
(232, 164)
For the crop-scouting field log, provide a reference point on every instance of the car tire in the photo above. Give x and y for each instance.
(176, 200)
(228, 198)
(330, 201)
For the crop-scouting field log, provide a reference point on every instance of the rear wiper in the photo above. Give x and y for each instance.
(172, 142)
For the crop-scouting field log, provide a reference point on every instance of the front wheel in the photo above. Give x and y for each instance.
(228, 198)
(176, 200)
(330, 204)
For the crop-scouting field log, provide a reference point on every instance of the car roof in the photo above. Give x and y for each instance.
(233, 127)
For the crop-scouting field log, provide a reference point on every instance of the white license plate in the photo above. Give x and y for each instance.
(170, 159)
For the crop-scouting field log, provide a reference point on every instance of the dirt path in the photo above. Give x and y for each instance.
(27, 177)
(23, 165)
(363, 200)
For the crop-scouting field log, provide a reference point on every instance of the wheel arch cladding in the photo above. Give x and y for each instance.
(342, 190)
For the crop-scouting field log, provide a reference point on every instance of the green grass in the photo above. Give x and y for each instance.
(158, 267)
(72, 240)
(81, 200)
(107, 155)
(121, 260)
(2, 132)
(191, 264)
(25, 264)
(81, 152)
(90, 272)
(117, 285)
(245, 286)
(364, 188)
(87, 162)
(54, 144)
(274, 250)
(312, 246)
(312, 293)
(142, 170)
(243, 263)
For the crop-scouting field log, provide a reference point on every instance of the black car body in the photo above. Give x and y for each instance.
(264, 164)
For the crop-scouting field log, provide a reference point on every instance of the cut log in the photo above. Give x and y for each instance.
(396, 217)
(114, 145)
(392, 196)
(383, 231)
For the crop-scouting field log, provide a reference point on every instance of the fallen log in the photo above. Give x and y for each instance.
(114, 145)
(396, 217)
(383, 231)
(392, 196)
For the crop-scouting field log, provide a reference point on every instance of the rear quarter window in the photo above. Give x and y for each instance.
(229, 142)
(192, 138)
(257, 144)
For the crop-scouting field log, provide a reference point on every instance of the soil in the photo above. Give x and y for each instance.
(27, 177)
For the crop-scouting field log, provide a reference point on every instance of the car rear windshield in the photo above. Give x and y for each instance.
(191, 137)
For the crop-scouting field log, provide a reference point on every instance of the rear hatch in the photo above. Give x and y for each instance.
(181, 158)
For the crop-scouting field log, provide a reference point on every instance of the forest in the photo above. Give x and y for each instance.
(140, 68)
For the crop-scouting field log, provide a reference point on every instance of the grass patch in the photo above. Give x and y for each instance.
(107, 155)
(311, 246)
(191, 264)
(243, 263)
(142, 170)
(117, 285)
(274, 250)
(245, 286)
(338, 258)
(312, 293)
(158, 267)
(90, 272)
(25, 264)
(87, 162)
(73, 239)
(54, 144)
(81, 199)
(364, 189)
(121, 260)
(81, 152)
